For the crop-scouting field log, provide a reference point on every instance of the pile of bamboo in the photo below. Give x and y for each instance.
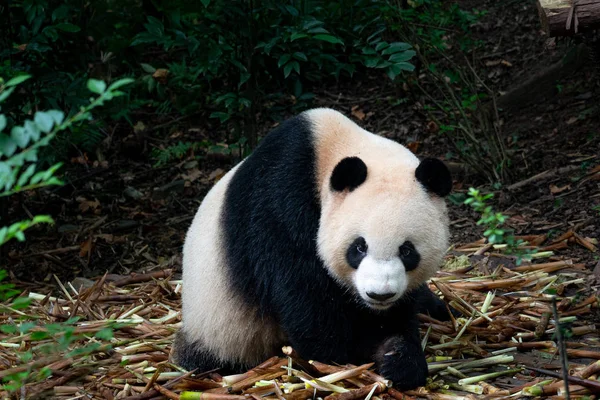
(503, 345)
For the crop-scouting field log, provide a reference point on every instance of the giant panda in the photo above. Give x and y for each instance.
(322, 239)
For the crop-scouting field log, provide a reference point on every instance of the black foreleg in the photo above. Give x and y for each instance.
(401, 359)
(428, 303)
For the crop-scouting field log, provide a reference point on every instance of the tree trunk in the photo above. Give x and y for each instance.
(568, 17)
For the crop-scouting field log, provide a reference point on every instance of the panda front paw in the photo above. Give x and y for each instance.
(403, 363)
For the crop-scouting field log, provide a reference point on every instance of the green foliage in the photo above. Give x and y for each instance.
(18, 164)
(191, 57)
(19, 149)
(493, 223)
(165, 155)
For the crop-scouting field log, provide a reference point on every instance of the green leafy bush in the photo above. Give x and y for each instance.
(19, 151)
(205, 58)
(210, 60)
(493, 222)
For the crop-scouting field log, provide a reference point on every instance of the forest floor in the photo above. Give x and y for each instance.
(123, 215)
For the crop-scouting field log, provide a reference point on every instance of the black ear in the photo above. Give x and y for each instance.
(350, 173)
(435, 176)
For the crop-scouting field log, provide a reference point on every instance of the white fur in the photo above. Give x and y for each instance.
(213, 313)
(380, 276)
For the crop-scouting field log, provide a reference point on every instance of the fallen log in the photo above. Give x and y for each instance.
(568, 17)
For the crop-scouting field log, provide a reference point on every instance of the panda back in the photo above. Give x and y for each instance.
(271, 214)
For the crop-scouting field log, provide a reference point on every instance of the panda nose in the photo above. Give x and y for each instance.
(380, 297)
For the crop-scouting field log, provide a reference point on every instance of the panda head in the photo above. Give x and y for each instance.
(384, 225)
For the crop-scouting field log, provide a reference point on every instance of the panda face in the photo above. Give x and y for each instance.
(381, 282)
(381, 244)
(383, 228)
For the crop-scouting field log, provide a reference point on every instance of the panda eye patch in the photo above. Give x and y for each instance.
(409, 255)
(356, 252)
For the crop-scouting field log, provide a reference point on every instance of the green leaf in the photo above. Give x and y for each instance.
(44, 373)
(32, 131)
(61, 12)
(24, 178)
(371, 62)
(44, 121)
(67, 27)
(368, 50)
(296, 66)
(300, 56)
(381, 45)
(292, 10)
(287, 70)
(244, 76)
(4, 95)
(3, 233)
(397, 47)
(406, 66)
(39, 335)
(283, 60)
(26, 327)
(37, 178)
(17, 80)
(30, 156)
(297, 35)
(7, 145)
(205, 3)
(383, 64)
(9, 329)
(318, 30)
(96, 86)
(148, 68)
(403, 56)
(221, 115)
(105, 334)
(48, 174)
(120, 83)
(39, 219)
(328, 38)
(57, 116)
(51, 33)
(2, 122)
(393, 71)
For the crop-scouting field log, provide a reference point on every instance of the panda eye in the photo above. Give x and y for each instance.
(409, 255)
(406, 250)
(356, 252)
(361, 247)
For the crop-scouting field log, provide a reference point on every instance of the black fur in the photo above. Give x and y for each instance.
(434, 176)
(428, 303)
(349, 174)
(192, 356)
(409, 255)
(270, 221)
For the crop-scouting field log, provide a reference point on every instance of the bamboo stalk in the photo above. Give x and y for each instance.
(579, 381)
(358, 393)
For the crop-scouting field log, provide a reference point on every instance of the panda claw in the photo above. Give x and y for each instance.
(403, 363)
